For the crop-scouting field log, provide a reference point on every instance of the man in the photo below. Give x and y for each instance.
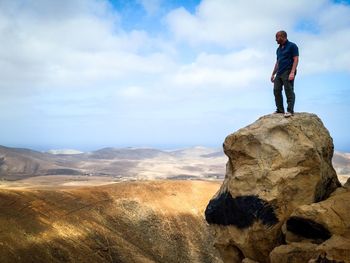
(284, 73)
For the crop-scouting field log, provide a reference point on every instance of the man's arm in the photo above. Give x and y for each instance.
(274, 72)
(294, 67)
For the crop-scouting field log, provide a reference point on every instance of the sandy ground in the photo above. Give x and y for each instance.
(157, 168)
(67, 181)
(55, 181)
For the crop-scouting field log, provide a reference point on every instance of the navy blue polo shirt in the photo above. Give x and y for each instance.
(285, 56)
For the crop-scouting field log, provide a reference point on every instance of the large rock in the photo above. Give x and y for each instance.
(334, 250)
(293, 253)
(332, 216)
(326, 224)
(337, 248)
(275, 165)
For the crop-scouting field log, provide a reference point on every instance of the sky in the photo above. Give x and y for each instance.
(88, 74)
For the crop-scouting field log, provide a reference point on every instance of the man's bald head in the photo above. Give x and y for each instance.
(281, 37)
(282, 33)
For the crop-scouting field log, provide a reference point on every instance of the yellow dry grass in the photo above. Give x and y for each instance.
(150, 221)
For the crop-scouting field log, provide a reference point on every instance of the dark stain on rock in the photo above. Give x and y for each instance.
(307, 228)
(241, 211)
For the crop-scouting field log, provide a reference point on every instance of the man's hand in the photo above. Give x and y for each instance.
(291, 76)
(272, 78)
(294, 68)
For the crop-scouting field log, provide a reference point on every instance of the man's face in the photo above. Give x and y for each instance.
(280, 39)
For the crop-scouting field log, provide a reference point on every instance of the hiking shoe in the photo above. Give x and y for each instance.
(288, 114)
(278, 112)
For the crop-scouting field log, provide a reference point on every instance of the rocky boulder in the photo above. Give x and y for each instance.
(321, 220)
(275, 165)
(294, 253)
(320, 230)
(334, 250)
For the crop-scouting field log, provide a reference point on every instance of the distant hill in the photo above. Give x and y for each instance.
(198, 151)
(64, 151)
(125, 153)
(123, 163)
(341, 162)
(128, 163)
(16, 163)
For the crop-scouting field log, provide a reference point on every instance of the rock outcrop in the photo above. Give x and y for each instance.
(323, 226)
(275, 165)
(334, 250)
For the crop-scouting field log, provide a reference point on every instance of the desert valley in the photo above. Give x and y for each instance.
(25, 168)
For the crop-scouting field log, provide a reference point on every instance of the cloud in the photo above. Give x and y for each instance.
(318, 27)
(81, 44)
(324, 53)
(333, 17)
(233, 23)
(74, 61)
(151, 6)
(233, 70)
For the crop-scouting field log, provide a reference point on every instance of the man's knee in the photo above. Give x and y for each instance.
(277, 88)
(289, 88)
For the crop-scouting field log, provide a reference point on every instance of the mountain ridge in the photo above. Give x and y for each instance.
(119, 164)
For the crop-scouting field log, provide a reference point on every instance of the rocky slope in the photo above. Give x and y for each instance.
(150, 221)
(277, 168)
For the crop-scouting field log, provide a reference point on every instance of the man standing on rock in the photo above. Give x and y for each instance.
(284, 73)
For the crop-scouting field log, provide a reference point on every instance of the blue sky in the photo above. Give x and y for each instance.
(87, 74)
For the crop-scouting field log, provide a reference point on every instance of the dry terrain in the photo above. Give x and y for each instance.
(31, 169)
(149, 221)
(111, 205)
(26, 168)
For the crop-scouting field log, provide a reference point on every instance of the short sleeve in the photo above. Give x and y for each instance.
(295, 50)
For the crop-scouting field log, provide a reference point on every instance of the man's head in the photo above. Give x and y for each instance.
(281, 37)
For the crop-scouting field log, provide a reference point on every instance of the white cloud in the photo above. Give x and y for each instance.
(151, 6)
(74, 58)
(39, 10)
(234, 70)
(81, 44)
(325, 53)
(333, 17)
(242, 24)
(132, 91)
(233, 23)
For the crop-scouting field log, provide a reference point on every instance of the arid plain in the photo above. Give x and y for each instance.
(28, 169)
(21, 168)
